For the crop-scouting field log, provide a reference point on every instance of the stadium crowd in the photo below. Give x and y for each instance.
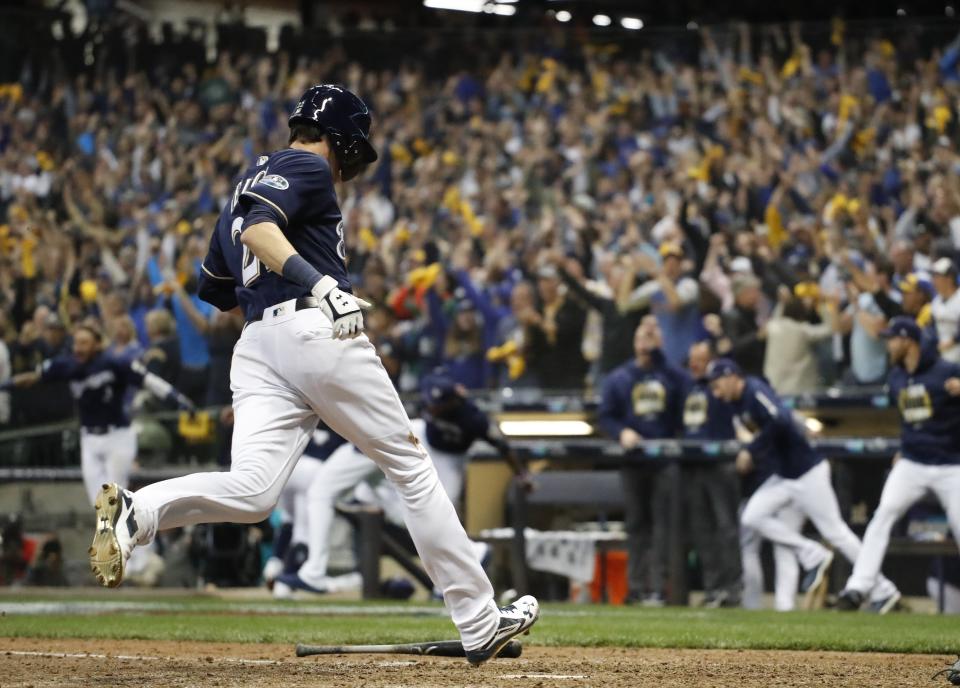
(781, 196)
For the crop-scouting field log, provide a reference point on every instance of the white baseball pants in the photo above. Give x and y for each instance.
(293, 499)
(106, 458)
(907, 483)
(812, 494)
(341, 472)
(786, 569)
(287, 370)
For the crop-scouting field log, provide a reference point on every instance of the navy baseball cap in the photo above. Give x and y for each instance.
(438, 386)
(903, 326)
(722, 367)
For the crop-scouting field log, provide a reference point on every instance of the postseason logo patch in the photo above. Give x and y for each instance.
(275, 181)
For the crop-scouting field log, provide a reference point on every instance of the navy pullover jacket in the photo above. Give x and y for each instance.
(930, 429)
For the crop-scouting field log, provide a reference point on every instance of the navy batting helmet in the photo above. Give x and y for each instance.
(345, 119)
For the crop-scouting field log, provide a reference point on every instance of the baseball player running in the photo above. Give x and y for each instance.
(926, 389)
(302, 355)
(99, 382)
(450, 426)
(796, 476)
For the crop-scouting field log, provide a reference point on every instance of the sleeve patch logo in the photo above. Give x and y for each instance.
(275, 181)
(262, 160)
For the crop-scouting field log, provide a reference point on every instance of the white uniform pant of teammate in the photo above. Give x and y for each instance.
(785, 567)
(293, 499)
(106, 458)
(287, 370)
(812, 494)
(907, 483)
(341, 472)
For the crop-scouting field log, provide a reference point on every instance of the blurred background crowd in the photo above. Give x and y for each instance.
(780, 189)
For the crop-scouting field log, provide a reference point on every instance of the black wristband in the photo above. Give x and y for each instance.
(299, 271)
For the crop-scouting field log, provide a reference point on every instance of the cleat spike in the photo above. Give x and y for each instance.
(113, 549)
(113, 501)
(105, 487)
(91, 551)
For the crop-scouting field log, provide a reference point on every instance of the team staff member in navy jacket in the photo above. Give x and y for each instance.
(711, 488)
(926, 389)
(99, 382)
(643, 399)
(796, 475)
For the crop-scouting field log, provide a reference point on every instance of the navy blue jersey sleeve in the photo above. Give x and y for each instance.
(132, 371)
(52, 369)
(215, 265)
(289, 189)
(769, 416)
(216, 285)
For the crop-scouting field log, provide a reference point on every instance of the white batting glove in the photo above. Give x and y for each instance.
(342, 308)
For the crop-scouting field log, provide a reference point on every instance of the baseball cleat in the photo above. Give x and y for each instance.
(885, 605)
(849, 601)
(813, 578)
(272, 569)
(288, 582)
(115, 535)
(515, 619)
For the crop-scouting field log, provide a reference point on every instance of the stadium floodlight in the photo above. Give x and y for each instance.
(632, 23)
(459, 5)
(563, 16)
(504, 10)
(601, 20)
(545, 428)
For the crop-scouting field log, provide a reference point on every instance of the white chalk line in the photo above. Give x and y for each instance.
(94, 655)
(225, 660)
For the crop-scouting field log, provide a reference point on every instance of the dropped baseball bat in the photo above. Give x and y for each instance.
(439, 648)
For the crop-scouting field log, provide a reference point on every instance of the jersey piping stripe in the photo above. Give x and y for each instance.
(210, 274)
(268, 202)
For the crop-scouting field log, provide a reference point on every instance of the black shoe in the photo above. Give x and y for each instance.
(813, 578)
(515, 619)
(849, 601)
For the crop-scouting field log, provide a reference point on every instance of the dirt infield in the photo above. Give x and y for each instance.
(26, 662)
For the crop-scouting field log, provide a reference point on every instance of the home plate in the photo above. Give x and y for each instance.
(559, 676)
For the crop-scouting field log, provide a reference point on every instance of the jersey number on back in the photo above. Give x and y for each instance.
(341, 244)
(249, 263)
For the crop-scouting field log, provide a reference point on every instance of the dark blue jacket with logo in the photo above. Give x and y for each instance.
(647, 400)
(704, 416)
(930, 429)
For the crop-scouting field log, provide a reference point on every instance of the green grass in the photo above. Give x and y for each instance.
(209, 619)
